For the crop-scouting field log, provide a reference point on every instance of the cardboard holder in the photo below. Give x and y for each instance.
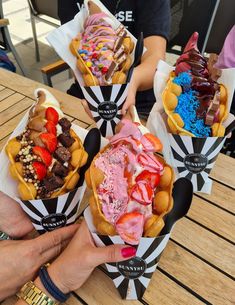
(131, 277)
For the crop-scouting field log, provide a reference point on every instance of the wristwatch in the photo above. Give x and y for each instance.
(32, 295)
(4, 236)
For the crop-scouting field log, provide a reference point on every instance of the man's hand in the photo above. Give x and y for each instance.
(21, 259)
(13, 219)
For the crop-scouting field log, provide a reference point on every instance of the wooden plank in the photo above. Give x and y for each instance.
(221, 195)
(11, 100)
(73, 301)
(9, 126)
(12, 111)
(99, 289)
(223, 169)
(5, 93)
(2, 87)
(198, 276)
(167, 292)
(213, 218)
(81, 124)
(71, 105)
(2, 143)
(205, 244)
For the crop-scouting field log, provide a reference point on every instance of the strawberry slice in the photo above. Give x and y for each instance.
(149, 162)
(51, 127)
(142, 192)
(40, 169)
(49, 140)
(152, 178)
(130, 227)
(151, 143)
(52, 115)
(43, 154)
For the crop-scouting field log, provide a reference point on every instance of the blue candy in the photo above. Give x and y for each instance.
(187, 109)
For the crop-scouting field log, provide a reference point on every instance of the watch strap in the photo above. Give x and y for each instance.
(32, 295)
(4, 236)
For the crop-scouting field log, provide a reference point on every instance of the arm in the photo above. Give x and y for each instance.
(153, 19)
(21, 259)
(72, 268)
(143, 75)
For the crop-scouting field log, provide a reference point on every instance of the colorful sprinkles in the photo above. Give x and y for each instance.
(188, 104)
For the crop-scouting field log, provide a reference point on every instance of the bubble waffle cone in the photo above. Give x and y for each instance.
(46, 157)
(131, 185)
(102, 52)
(196, 105)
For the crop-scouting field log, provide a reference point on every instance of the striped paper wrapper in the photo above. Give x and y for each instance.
(131, 277)
(194, 158)
(105, 103)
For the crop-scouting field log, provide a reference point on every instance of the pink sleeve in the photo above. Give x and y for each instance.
(227, 56)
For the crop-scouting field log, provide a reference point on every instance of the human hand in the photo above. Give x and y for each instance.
(21, 259)
(131, 96)
(13, 219)
(72, 268)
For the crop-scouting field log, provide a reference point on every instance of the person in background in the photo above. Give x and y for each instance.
(22, 259)
(226, 59)
(151, 17)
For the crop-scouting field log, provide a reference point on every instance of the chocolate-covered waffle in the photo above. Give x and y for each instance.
(46, 157)
(131, 185)
(196, 104)
(102, 52)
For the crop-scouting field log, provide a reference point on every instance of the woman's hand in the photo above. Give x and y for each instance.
(72, 268)
(13, 219)
(20, 260)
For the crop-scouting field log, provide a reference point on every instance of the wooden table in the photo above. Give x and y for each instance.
(197, 266)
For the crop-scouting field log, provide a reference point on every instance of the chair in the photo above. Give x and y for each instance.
(45, 11)
(189, 16)
(5, 40)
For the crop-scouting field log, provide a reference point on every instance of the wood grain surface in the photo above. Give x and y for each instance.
(197, 266)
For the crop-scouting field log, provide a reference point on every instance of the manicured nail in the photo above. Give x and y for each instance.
(128, 252)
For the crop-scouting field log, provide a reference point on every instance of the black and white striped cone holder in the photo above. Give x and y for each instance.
(105, 104)
(50, 214)
(131, 277)
(194, 158)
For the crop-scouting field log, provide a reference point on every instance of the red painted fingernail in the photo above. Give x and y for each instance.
(128, 252)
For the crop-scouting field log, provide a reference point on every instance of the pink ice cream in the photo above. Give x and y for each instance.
(125, 197)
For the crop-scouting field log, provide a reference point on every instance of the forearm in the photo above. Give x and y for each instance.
(143, 75)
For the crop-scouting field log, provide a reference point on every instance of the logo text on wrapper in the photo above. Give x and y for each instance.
(195, 163)
(132, 268)
(107, 110)
(53, 221)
